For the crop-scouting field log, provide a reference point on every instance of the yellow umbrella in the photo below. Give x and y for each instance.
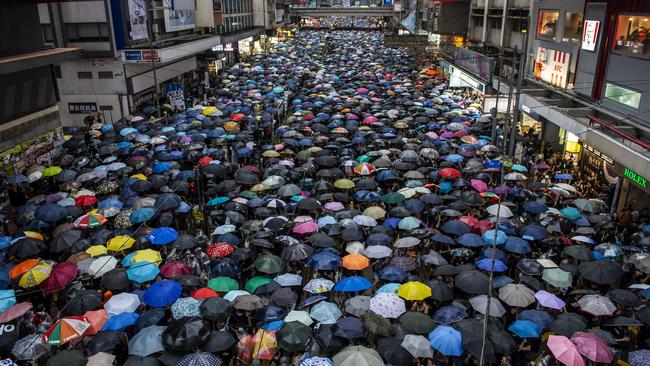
(414, 291)
(259, 187)
(139, 176)
(270, 154)
(34, 235)
(35, 275)
(344, 184)
(148, 255)
(265, 345)
(231, 126)
(96, 250)
(120, 242)
(314, 149)
(375, 212)
(209, 110)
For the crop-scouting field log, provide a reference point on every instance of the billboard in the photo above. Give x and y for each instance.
(552, 66)
(176, 20)
(138, 19)
(477, 64)
(175, 95)
(590, 35)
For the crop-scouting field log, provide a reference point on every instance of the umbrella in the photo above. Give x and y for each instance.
(30, 348)
(265, 344)
(417, 346)
(448, 315)
(353, 284)
(387, 305)
(357, 306)
(601, 272)
(105, 340)
(219, 341)
(414, 291)
(472, 282)
(184, 334)
(549, 300)
(293, 336)
(147, 341)
(446, 340)
(122, 303)
(325, 312)
(417, 322)
(564, 351)
(357, 355)
(597, 305)
(480, 304)
(65, 330)
(516, 295)
(525, 329)
(121, 321)
(200, 359)
(68, 358)
(593, 347)
(216, 309)
(568, 323)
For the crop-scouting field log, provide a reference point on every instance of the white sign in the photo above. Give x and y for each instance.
(460, 79)
(590, 34)
(175, 95)
(178, 19)
(138, 19)
(552, 66)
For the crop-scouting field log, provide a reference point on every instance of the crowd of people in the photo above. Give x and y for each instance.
(338, 22)
(378, 223)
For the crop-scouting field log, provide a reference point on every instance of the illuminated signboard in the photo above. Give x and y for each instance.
(634, 177)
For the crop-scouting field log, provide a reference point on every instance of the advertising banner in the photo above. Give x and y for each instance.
(590, 35)
(178, 19)
(477, 64)
(175, 95)
(138, 19)
(552, 66)
(39, 150)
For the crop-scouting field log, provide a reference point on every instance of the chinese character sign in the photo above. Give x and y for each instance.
(175, 95)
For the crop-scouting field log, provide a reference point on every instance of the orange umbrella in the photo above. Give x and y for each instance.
(204, 293)
(96, 319)
(355, 261)
(22, 268)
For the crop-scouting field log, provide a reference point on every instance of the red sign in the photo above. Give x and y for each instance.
(149, 55)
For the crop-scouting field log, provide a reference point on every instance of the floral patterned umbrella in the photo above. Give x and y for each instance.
(388, 305)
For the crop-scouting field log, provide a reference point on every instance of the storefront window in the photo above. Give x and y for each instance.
(547, 24)
(622, 95)
(572, 27)
(632, 38)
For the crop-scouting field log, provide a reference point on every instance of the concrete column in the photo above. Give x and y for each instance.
(503, 22)
(485, 18)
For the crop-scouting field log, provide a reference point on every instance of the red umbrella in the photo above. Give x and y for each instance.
(469, 220)
(62, 274)
(449, 173)
(15, 312)
(174, 269)
(237, 117)
(252, 169)
(85, 200)
(482, 226)
(205, 161)
(219, 250)
(204, 293)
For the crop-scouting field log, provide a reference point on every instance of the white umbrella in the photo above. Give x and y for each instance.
(515, 176)
(417, 346)
(101, 359)
(387, 305)
(377, 251)
(102, 265)
(406, 242)
(288, 279)
(516, 295)
(566, 187)
(503, 210)
(122, 303)
(479, 303)
(299, 316)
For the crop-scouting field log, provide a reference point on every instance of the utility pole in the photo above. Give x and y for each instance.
(520, 82)
(149, 12)
(499, 68)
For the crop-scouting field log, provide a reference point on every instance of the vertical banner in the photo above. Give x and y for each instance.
(552, 66)
(175, 95)
(138, 19)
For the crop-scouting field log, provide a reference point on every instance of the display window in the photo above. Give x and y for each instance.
(547, 24)
(617, 93)
(572, 27)
(632, 38)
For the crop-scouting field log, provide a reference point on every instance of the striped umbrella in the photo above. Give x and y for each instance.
(90, 220)
(66, 330)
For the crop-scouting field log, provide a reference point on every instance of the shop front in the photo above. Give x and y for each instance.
(632, 190)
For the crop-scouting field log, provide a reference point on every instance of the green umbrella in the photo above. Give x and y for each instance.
(223, 284)
(293, 336)
(248, 194)
(409, 223)
(256, 282)
(52, 171)
(269, 263)
(358, 355)
(377, 325)
(393, 198)
(570, 213)
(363, 159)
(557, 277)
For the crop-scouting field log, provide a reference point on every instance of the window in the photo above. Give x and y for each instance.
(48, 33)
(57, 71)
(547, 24)
(622, 95)
(87, 32)
(632, 38)
(572, 27)
(85, 75)
(105, 74)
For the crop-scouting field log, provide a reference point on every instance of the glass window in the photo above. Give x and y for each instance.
(547, 24)
(105, 74)
(572, 27)
(48, 33)
(622, 95)
(632, 38)
(85, 75)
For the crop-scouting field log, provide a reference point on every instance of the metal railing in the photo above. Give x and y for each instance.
(617, 131)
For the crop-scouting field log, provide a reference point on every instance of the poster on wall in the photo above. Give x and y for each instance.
(176, 20)
(39, 150)
(552, 66)
(138, 19)
(590, 35)
(175, 95)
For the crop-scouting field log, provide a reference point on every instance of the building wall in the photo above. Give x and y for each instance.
(512, 37)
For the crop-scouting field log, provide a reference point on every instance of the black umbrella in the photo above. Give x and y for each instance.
(473, 344)
(322, 240)
(81, 301)
(142, 361)
(170, 358)
(284, 296)
(64, 241)
(349, 328)
(392, 351)
(226, 267)
(184, 242)
(503, 342)
(472, 282)
(624, 297)
(116, 280)
(377, 324)
(216, 309)
(293, 336)
(417, 322)
(68, 358)
(185, 334)
(440, 291)
(103, 341)
(167, 201)
(601, 272)
(643, 314)
(328, 341)
(219, 341)
(568, 323)
(446, 270)
(150, 317)
(25, 248)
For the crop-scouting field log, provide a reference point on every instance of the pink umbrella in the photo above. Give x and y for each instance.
(479, 185)
(334, 206)
(306, 228)
(432, 135)
(549, 300)
(62, 274)
(370, 119)
(15, 312)
(593, 347)
(564, 351)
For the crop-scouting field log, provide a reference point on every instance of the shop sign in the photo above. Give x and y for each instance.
(176, 20)
(406, 40)
(175, 95)
(474, 62)
(458, 79)
(552, 66)
(228, 47)
(82, 108)
(590, 34)
(141, 55)
(634, 177)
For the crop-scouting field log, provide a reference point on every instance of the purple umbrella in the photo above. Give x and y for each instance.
(549, 300)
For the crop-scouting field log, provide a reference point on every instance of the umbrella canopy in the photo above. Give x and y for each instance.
(357, 355)
(564, 351)
(446, 340)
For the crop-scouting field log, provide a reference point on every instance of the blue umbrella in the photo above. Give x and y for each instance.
(500, 281)
(162, 236)
(470, 240)
(519, 168)
(110, 202)
(274, 325)
(217, 201)
(490, 235)
(533, 232)
(4, 278)
(525, 329)
(454, 158)
(5, 242)
(127, 131)
(446, 340)
(161, 167)
(486, 263)
(563, 176)
(142, 272)
(244, 152)
(142, 214)
(518, 245)
(570, 213)
(353, 284)
(535, 207)
(51, 212)
(392, 273)
(162, 293)
(456, 227)
(324, 261)
(448, 315)
(226, 268)
(541, 318)
(493, 164)
(7, 299)
(498, 254)
(121, 321)
(389, 288)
